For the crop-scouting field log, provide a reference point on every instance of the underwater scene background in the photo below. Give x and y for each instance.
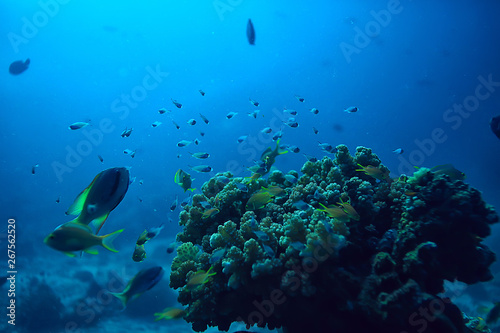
(270, 85)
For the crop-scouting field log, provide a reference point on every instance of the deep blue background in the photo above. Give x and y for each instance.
(89, 54)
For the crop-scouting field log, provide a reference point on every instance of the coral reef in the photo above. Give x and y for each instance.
(345, 248)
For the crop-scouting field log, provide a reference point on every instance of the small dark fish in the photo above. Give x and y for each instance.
(315, 130)
(250, 33)
(156, 124)
(17, 67)
(58, 200)
(231, 115)
(202, 133)
(351, 109)
(126, 132)
(162, 111)
(205, 120)
(293, 149)
(314, 111)
(202, 92)
(300, 99)
(291, 112)
(173, 206)
(33, 168)
(187, 201)
(183, 143)
(196, 141)
(100, 158)
(495, 126)
(129, 152)
(398, 151)
(328, 148)
(242, 138)
(177, 104)
(277, 135)
(141, 282)
(266, 130)
(78, 125)
(254, 103)
(254, 114)
(191, 122)
(202, 168)
(242, 187)
(175, 124)
(311, 158)
(291, 122)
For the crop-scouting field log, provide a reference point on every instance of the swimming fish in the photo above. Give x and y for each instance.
(141, 282)
(183, 143)
(97, 200)
(177, 104)
(183, 179)
(311, 158)
(242, 138)
(173, 206)
(335, 212)
(200, 277)
(250, 32)
(205, 120)
(171, 248)
(188, 200)
(148, 235)
(258, 200)
(175, 124)
(170, 313)
(231, 115)
(315, 130)
(200, 156)
(129, 152)
(156, 124)
(266, 130)
(291, 178)
(495, 126)
(300, 99)
(217, 255)
(139, 253)
(209, 213)
(348, 209)
(327, 148)
(274, 190)
(375, 172)
(191, 122)
(254, 103)
(100, 158)
(398, 151)
(449, 170)
(19, 66)
(202, 92)
(291, 122)
(33, 168)
(202, 168)
(75, 237)
(254, 114)
(314, 111)
(163, 110)
(278, 135)
(78, 125)
(269, 156)
(351, 109)
(196, 141)
(126, 132)
(58, 200)
(291, 112)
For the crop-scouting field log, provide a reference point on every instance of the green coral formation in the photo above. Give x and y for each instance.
(291, 265)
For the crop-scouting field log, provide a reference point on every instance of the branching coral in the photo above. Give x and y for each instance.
(344, 249)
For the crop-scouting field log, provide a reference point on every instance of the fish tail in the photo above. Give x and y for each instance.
(107, 240)
(122, 297)
(98, 223)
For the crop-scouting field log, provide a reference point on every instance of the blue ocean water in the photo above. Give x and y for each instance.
(424, 74)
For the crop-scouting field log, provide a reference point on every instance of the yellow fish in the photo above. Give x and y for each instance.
(258, 200)
(200, 277)
(335, 212)
(183, 179)
(75, 237)
(170, 313)
(375, 172)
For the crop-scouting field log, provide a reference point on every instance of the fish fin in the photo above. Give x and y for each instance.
(91, 251)
(122, 297)
(77, 205)
(98, 223)
(70, 254)
(107, 240)
(191, 189)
